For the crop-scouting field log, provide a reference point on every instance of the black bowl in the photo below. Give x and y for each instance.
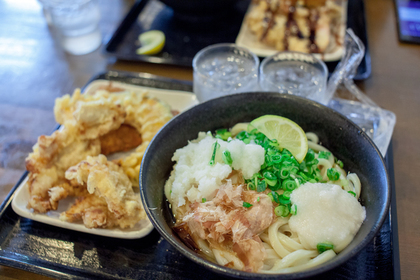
(341, 136)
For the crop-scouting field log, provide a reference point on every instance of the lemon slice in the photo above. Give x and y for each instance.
(288, 134)
(152, 42)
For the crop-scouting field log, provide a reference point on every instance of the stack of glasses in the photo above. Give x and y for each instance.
(228, 69)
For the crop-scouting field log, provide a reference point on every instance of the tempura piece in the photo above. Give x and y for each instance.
(107, 180)
(310, 26)
(121, 139)
(91, 115)
(106, 121)
(98, 113)
(131, 164)
(51, 156)
(92, 210)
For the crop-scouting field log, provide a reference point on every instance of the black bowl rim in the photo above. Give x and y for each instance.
(230, 272)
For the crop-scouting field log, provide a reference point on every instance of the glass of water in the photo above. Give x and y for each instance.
(295, 73)
(76, 23)
(223, 69)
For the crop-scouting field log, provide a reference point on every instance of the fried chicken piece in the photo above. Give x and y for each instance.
(92, 116)
(92, 210)
(145, 113)
(122, 139)
(86, 121)
(51, 156)
(310, 26)
(107, 180)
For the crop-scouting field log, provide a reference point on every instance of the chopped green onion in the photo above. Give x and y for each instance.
(261, 186)
(269, 175)
(246, 204)
(276, 187)
(289, 185)
(276, 158)
(203, 200)
(310, 155)
(333, 174)
(282, 211)
(322, 247)
(223, 134)
(340, 163)
(293, 210)
(284, 173)
(242, 135)
(226, 157)
(353, 193)
(284, 200)
(215, 147)
(258, 199)
(251, 186)
(324, 154)
(270, 195)
(286, 194)
(276, 197)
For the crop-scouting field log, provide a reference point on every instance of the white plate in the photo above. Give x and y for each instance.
(247, 39)
(179, 100)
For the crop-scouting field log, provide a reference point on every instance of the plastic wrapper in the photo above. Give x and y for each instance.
(345, 97)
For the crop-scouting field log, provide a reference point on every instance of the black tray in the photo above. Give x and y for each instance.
(184, 38)
(61, 253)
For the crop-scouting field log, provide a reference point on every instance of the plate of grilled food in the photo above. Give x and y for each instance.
(84, 176)
(308, 26)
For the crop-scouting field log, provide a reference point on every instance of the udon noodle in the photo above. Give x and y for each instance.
(282, 249)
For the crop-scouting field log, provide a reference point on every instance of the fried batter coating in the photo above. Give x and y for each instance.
(50, 158)
(107, 180)
(131, 164)
(92, 210)
(139, 110)
(122, 139)
(310, 26)
(104, 122)
(91, 115)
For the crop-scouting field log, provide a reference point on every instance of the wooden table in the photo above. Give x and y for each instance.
(34, 70)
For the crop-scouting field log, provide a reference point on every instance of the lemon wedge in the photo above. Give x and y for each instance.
(152, 42)
(288, 134)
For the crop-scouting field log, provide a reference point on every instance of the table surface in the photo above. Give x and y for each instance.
(34, 70)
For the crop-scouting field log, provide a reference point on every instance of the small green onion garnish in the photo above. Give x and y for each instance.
(223, 134)
(261, 186)
(324, 246)
(246, 204)
(289, 185)
(353, 193)
(333, 174)
(203, 200)
(258, 199)
(324, 154)
(276, 197)
(215, 147)
(251, 186)
(293, 209)
(340, 163)
(284, 200)
(226, 157)
(282, 211)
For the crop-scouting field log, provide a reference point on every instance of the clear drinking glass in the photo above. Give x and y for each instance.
(295, 73)
(76, 23)
(223, 69)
